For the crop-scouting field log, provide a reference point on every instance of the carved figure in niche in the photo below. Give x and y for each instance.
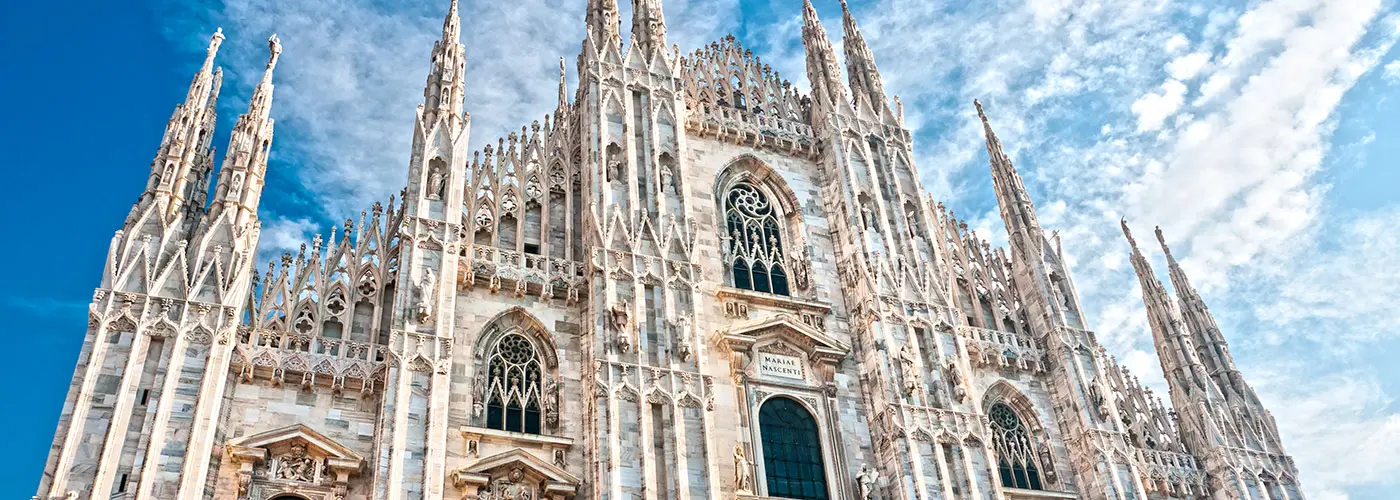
(551, 403)
(907, 360)
(801, 267)
(424, 294)
(297, 466)
(436, 179)
(237, 182)
(666, 178)
(1096, 397)
(620, 317)
(614, 165)
(865, 482)
(743, 470)
(1047, 463)
(867, 216)
(955, 380)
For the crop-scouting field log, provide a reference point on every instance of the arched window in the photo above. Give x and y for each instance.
(755, 240)
(514, 392)
(792, 451)
(1015, 453)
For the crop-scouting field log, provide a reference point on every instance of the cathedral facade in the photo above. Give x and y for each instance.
(688, 281)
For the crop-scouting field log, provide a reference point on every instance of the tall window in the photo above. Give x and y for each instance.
(514, 389)
(755, 241)
(792, 451)
(1015, 454)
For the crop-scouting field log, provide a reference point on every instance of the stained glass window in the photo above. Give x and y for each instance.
(755, 241)
(513, 391)
(792, 451)
(1015, 454)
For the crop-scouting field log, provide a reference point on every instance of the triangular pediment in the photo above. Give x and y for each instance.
(783, 327)
(299, 432)
(552, 478)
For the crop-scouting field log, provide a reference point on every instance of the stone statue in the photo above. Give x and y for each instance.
(1096, 397)
(426, 288)
(614, 166)
(743, 471)
(865, 482)
(955, 380)
(1047, 463)
(666, 180)
(297, 466)
(436, 179)
(867, 216)
(551, 403)
(620, 317)
(908, 368)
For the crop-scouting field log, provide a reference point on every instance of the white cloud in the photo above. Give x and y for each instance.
(1155, 107)
(283, 235)
(1392, 71)
(1336, 425)
(1188, 66)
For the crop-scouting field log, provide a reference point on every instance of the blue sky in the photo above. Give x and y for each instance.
(1261, 135)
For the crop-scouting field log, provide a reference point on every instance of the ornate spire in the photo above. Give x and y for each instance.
(860, 64)
(443, 93)
(604, 24)
(186, 134)
(822, 72)
(1017, 210)
(261, 105)
(1214, 352)
(245, 159)
(1192, 393)
(648, 27)
(563, 87)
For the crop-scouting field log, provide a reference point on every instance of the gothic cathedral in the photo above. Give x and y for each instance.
(690, 281)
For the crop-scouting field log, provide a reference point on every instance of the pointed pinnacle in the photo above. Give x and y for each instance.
(1163, 242)
(274, 47)
(1129, 234)
(563, 86)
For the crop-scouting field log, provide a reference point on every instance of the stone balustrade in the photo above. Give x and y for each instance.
(1002, 349)
(310, 359)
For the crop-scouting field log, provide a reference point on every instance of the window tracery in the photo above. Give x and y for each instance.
(1015, 451)
(514, 389)
(756, 253)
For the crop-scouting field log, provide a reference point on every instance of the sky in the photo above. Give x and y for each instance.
(1260, 135)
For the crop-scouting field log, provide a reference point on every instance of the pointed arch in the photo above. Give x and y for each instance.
(1019, 445)
(516, 374)
(761, 236)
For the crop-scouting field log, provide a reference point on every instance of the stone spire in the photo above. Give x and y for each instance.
(245, 159)
(563, 87)
(648, 27)
(187, 135)
(442, 95)
(822, 71)
(1193, 395)
(1214, 352)
(860, 64)
(1017, 211)
(604, 24)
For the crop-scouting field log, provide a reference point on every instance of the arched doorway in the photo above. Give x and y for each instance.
(792, 451)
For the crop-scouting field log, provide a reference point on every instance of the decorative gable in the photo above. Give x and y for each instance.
(516, 475)
(292, 459)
